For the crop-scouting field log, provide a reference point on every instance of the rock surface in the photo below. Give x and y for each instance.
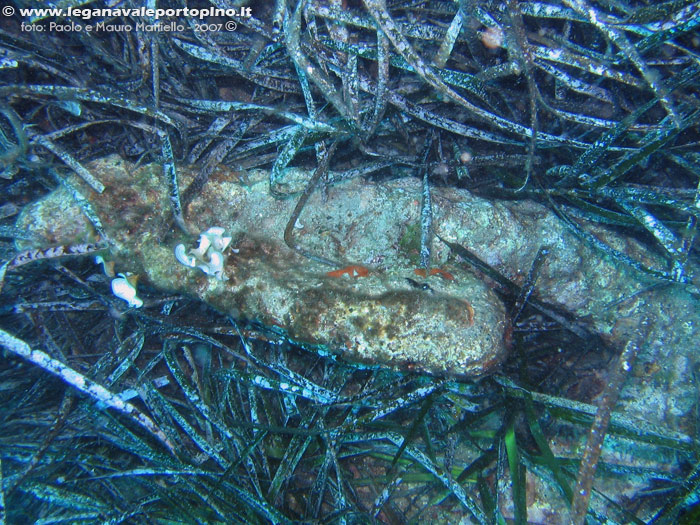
(457, 329)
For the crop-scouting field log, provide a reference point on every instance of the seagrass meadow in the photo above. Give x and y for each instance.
(350, 261)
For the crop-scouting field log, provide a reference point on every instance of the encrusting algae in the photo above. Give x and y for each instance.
(373, 316)
(368, 311)
(440, 325)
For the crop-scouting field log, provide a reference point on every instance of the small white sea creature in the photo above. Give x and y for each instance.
(124, 287)
(209, 255)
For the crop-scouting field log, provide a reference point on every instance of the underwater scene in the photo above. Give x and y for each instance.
(350, 262)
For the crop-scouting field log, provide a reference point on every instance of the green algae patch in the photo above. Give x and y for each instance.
(409, 243)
